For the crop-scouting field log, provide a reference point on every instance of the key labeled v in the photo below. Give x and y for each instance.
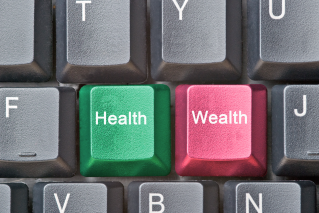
(62, 210)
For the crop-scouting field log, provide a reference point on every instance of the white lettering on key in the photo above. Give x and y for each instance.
(283, 10)
(97, 118)
(159, 203)
(137, 118)
(304, 105)
(238, 118)
(249, 198)
(8, 106)
(180, 9)
(62, 210)
(200, 114)
(83, 7)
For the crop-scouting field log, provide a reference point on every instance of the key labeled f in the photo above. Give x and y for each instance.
(8, 106)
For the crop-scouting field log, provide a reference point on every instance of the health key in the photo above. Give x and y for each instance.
(221, 130)
(125, 130)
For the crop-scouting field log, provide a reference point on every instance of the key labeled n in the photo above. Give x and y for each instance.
(259, 207)
(62, 209)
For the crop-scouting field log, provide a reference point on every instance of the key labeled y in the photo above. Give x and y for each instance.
(180, 9)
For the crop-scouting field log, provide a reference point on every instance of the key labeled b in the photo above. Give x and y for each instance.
(162, 197)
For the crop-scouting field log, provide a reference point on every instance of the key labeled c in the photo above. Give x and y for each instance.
(283, 10)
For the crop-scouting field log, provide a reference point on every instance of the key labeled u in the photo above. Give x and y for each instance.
(283, 10)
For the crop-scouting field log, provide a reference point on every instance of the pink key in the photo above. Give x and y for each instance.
(221, 130)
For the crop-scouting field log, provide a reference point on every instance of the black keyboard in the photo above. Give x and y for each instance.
(190, 106)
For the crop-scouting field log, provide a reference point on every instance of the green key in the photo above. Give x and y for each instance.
(125, 130)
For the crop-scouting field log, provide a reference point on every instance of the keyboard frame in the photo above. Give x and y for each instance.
(172, 176)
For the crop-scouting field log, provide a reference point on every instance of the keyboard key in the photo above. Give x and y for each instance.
(78, 197)
(295, 133)
(186, 197)
(283, 39)
(274, 197)
(14, 198)
(101, 41)
(221, 130)
(37, 132)
(125, 130)
(196, 40)
(25, 40)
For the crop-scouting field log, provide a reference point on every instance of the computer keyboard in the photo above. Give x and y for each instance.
(151, 109)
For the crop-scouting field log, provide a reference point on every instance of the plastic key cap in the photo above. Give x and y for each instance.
(125, 130)
(274, 197)
(78, 197)
(37, 132)
(221, 130)
(295, 133)
(186, 197)
(25, 40)
(283, 39)
(196, 40)
(14, 198)
(101, 41)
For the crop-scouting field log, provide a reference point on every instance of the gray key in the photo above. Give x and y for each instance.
(186, 197)
(295, 149)
(101, 41)
(25, 40)
(13, 198)
(274, 197)
(196, 40)
(78, 197)
(37, 132)
(283, 36)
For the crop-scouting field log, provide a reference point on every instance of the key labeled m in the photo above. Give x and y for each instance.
(259, 207)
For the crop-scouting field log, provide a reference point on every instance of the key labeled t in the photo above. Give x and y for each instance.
(8, 106)
(83, 7)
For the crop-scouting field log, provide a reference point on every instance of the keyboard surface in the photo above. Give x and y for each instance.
(173, 176)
